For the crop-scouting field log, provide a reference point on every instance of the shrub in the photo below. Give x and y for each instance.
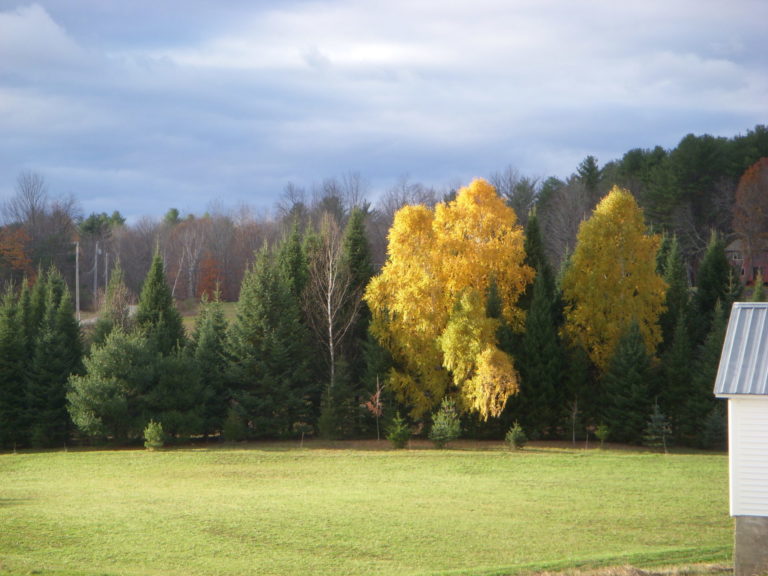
(154, 438)
(516, 437)
(398, 432)
(445, 425)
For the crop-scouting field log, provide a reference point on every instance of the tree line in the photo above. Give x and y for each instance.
(512, 304)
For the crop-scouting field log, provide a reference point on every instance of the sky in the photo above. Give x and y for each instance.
(142, 106)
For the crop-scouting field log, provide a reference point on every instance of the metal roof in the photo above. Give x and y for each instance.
(744, 361)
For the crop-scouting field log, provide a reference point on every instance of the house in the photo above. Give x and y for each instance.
(746, 265)
(742, 379)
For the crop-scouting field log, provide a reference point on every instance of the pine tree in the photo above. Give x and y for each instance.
(540, 364)
(714, 285)
(357, 259)
(267, 344)
(109, 398)
(676, 376)
(157, 317)
(677, 296)
(208, 349)
(701, 401)
(12, 353)
(625, 384)
(57, 354)
(114, 312)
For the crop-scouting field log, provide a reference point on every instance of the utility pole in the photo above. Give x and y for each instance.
(77, 280)
(96, 277)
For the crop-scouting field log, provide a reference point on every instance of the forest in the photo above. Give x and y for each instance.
(585, 307)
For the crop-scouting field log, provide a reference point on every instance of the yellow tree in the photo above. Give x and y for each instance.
(428, 302)
(612, 279)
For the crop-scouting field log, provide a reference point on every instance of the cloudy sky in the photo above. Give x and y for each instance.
(141, 106)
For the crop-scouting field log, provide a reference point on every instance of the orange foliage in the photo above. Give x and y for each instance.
(210, 279)
(12, 252)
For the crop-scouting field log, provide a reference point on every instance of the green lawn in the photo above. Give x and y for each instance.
(283, 510)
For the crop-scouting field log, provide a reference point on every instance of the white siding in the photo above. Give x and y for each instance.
(748, 448)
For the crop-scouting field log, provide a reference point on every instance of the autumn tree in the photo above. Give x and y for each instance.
(612, 280)
(750, 213)
(14, 261)
(428, 302)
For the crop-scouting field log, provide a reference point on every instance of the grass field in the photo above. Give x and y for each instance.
(277, 509)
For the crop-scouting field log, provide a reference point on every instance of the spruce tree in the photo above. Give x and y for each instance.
(625, 384)
(156, 316)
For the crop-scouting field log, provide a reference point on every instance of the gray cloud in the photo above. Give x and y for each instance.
(140, 107)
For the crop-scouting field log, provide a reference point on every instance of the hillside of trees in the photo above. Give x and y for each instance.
(599, 301)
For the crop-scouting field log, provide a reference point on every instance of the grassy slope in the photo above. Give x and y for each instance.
(280, 510)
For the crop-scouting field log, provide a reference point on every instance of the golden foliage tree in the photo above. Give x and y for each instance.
(612, 279)
(428, 302)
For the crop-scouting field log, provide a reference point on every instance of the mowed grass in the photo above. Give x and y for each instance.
(282, 510)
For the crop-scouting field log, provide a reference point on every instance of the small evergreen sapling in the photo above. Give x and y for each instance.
(446, 425)
(154, 438)
(398, 432)
(516, 437)
(657, 430)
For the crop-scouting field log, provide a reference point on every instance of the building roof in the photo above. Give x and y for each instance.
(744, 361)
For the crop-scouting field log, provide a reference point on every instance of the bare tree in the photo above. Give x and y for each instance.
(519, 192)
(560, 218)
(49, 224)
(330, 299)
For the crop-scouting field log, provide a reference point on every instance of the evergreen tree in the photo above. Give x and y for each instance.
(357, 259)
(292, 259)
(157, 317)
(540, 364)
(109, 399)
(701, 401)
(714, 285)
(57, 354)
(12, 353)
(676, 375)
(625, 384)
(114, 312)
(177, 397)
(208, 349)
(676, 298)
(267, 344)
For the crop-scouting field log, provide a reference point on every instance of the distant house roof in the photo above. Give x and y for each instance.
(744, 361)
